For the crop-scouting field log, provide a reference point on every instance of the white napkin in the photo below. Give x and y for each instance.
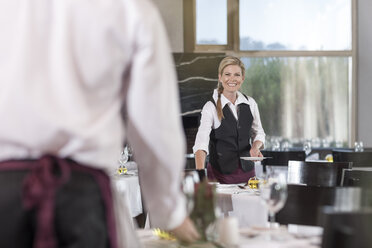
(131, 165)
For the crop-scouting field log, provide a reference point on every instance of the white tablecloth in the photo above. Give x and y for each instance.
(244, 204)
(295, 237)
(130, 192)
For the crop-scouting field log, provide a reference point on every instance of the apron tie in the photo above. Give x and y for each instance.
(39, 191)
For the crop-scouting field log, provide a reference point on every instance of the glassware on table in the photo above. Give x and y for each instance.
(123, 159)
(122, 170)
(253, 183)
(307, 147)
(285, 145)
(273, 190)
(326, 142)
(276, 145)
(358, 146)
(315, 142)
(188, 188)
(229, 232)
(339, 143)
(329, 157)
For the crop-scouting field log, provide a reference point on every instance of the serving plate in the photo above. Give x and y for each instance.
(254, 158)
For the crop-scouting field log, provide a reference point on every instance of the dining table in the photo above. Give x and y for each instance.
(291, 236)
(241, 202)
(232, 201)
(128, 187)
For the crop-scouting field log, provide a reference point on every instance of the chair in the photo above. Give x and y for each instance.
(359, 159)
(316, 173)
(360, 178)
(304, 204)
(357, 177)
(346, 229)
(279, 159)
(190, 161)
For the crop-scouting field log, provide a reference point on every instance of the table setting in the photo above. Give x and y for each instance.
(125, 179)
(237, 216)
(229, 235)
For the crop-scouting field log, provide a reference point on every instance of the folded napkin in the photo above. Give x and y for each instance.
(131, 165)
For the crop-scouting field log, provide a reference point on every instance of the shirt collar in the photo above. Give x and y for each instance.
(241, 99)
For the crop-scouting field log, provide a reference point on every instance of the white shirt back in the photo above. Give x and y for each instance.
(66, 70)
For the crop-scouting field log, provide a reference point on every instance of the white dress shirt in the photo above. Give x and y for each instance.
(66, 70)
(209, 120)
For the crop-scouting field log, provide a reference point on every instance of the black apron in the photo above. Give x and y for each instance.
(52, 202)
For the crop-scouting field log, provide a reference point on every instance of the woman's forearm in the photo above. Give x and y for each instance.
(200, 157)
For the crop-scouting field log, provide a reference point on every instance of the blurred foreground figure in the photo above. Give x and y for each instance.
(67, 70)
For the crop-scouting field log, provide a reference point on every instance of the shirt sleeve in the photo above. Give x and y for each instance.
(154, 127)
(257, 131)
(206, 124)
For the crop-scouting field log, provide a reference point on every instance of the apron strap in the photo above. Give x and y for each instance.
(39, 190)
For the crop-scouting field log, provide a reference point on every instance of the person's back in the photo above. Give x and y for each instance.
(67, 71)
(62, 64)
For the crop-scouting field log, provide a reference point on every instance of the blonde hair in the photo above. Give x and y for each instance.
(230, 60)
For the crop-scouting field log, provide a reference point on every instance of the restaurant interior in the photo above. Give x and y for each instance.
(308, 67)
(285, 162)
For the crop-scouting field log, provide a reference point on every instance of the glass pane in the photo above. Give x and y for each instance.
(295, 25)
(301, 97)
(211, 22)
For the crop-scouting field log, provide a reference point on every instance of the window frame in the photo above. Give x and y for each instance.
(233, 48)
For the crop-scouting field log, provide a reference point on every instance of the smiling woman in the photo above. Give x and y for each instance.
(230, 128)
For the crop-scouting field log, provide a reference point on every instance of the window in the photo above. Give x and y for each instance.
(315, 25)
(211, 22)
(299, 57)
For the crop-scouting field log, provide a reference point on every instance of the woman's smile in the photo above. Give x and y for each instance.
(232, 84)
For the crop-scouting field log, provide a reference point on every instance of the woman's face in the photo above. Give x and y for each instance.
(231, 78)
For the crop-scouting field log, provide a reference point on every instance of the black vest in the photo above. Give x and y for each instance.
(231, 140)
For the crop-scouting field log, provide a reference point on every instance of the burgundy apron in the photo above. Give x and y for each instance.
(237, 176)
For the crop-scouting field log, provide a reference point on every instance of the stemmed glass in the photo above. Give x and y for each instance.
(307, 147)
(188, 188)
(123, 159)
(358, 147)
(273, 190)
(276, 145)
(285, 145)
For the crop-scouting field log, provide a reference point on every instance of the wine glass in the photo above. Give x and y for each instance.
(307, 147)
(285, 145)
(123, 159)
(276, 145)
(315, 142)
(188, 188)
(358, 146)
(273, 190)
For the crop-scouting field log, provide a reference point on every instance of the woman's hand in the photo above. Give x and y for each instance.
(254, 152)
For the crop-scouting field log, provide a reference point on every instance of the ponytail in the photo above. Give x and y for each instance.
(219, 105)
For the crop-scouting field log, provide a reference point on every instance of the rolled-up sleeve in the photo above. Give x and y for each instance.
(257, 131)
(206, 123)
